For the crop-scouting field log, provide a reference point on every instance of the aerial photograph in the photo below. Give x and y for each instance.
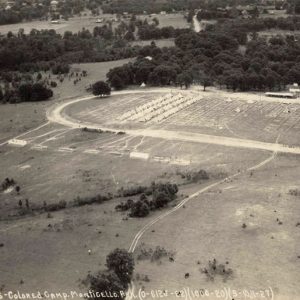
(150, 149)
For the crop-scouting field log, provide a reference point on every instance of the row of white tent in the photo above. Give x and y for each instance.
(153, 105)
(181, 105)
(158, 109)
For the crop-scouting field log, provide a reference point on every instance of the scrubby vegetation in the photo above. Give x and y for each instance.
(98, 199)
(159, 196)
(154, 255)
(215, 269)
(294, 192)
(194, 176)
(6, 183)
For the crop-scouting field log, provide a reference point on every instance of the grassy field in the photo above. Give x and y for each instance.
(18, 118)
(263, 253)
(176, 20)
(76, 24)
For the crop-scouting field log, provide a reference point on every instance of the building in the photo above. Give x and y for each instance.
(294, 89)
(280, 95)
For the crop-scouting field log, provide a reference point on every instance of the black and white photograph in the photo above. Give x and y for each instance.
(150, 149)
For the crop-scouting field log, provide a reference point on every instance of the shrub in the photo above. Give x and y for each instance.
(294, 192)
(140, 209)
(34, 92)
(55, 206)
(155, 255)
(160, 199)
(214, 269)
(132, 191)
(90, 200)
(60, 69)
(125, 206)
(7, 183)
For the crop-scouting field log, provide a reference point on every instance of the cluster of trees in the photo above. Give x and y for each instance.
(153, 6)
(149, 6)
(254, 25)
(214, 56)
(226, 13)
(161, 195)
(46, 49)
(116, 279)
(26, 92)
(149, 32)
(18, 13)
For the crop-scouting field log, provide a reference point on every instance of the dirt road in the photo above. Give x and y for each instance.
(57, 115)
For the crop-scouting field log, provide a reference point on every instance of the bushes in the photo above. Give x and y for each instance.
(214, 269)
(133, 191)
(53, 84)
(294, 192)
(7, 183)
(162, 194)
(139, 209)
(154, 255)
(55, 206)
(34, 92)
(90, 200)
(60, 69)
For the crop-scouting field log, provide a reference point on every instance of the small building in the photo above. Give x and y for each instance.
(280, 95)
(294, 89)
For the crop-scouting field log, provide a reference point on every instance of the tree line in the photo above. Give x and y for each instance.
(214, 56)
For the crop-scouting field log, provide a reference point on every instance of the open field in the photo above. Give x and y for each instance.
(176, 20)
(263, 254)
(275, 32)
(74, 25)
(16, 119)
(273, 13)
(247, 185)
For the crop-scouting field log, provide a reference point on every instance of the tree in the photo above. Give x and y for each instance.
(205, 80)
(40, 92)
(35, 92)
(160, 199)
(101, 88)
(116, 82)
(185, 79)
(140, 209)
(122, 263)
(109, 282)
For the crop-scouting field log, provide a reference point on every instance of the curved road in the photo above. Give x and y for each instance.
(57, 115)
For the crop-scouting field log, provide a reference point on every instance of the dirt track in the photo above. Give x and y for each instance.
(57, 115)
